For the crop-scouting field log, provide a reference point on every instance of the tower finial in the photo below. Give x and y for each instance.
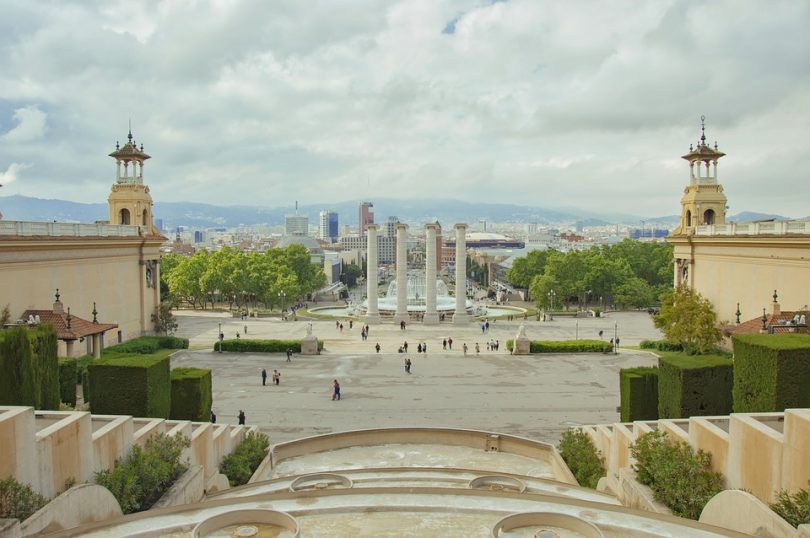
(703, 130)
(129, 136)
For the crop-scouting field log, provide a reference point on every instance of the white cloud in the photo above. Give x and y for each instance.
(30, 125)
(12, 172)
(576, 104)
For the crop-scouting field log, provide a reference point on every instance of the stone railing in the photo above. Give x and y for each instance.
(47, 449)
(759, 452)
(783, 227)
(66, 229)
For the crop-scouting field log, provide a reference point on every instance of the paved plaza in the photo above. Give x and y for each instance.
(534, 396)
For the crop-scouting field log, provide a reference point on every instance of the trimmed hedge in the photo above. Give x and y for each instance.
(247, 345)
(139, 386)
(690, 385)
(191, 394)
(661, 345)
(29, 366)
(68, 368)
(638, 388)
(771, 372)
(565, 346)
(145, 345)
(580, 455)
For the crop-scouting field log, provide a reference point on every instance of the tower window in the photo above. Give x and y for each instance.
(145, 217)
(688, 218)
(123, 216)
(708, 216)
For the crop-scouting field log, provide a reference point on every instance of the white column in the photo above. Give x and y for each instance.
(402, 273)
(431, 315)
(372, 262)
(117, 169)
(461, 315)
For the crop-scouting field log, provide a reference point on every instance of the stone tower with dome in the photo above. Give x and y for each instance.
(130, 201)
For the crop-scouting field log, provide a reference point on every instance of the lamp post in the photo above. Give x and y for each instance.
(551, 296)
(282, 296)
(616, 338)
(220, 336)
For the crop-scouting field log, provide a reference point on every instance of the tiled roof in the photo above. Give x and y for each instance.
(754, 326)
(79, 328)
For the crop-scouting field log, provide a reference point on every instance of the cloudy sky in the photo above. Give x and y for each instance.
(583, 104)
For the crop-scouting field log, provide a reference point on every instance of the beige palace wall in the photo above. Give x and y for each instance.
(747, 269)
(109, 271)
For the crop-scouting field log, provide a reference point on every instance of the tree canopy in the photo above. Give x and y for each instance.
(630, 273)
(275, 277)
(689, 318)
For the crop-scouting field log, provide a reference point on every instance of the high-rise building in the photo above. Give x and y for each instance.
(328, 226)
(365, 217)
(296, 224)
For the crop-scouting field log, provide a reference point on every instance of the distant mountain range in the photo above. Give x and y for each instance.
(415, 211)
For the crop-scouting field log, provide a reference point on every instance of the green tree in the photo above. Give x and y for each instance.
(524, 270)
(689, 318)
(163, 319)
(184, 280)
(351, 272)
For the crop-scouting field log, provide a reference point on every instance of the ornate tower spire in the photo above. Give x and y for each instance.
(130, 202)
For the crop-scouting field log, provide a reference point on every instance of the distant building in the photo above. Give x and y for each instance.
(296, 224)
(198, 236)
(478, 240)
(365, 216)
(328, 226)
(654, 233)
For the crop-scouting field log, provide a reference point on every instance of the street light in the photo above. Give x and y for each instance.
(282, 295)
(615, 338)
(551, 296)
(220, 336)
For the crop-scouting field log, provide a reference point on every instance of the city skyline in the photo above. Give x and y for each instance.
(548, 106)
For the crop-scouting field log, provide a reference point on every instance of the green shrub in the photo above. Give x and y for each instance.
(581, 456)
(140, 479)
(246, 345)
(191, 394)
(30, 367)
(67, 380)
(86, 386)
(771, 372)
(18, 501)
(678, 476)
(138, 385)
(661, 345)
(693, 385)
(145, 345)
(240, 464)
(565, 346)
(638, 388)
(795, 508)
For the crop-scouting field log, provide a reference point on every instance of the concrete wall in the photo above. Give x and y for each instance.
(46, 449)
(759, 452)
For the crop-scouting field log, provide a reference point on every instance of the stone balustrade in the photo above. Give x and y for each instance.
(783, 227)
(66, 229)
(758, 452)
(48, 449)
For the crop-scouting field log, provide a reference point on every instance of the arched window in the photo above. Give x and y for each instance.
(688, 219)
(145, 217)
(123, 216)
(708, 216)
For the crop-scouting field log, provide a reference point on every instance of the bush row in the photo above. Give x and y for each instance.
(581, 457)
(68, 368)
(565, 346)
(191, 394)
(661, 345)
(638, 389)
(240, 464)
(246, 345)
(29, 366)
(138, 385)
(145, 345)
(771, 372)
(679, 477)
(139, 480)
(694, 385)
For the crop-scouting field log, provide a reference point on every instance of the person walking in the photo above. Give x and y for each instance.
(264, 377)
(424, 347)
(419, 348)
(335, 390)
(405, 346)
(450, 343)
(477, 349)
(444, 344)
(377, 347)
(245, 329)
(241, 417)
(407, 366)
(276, 377)
(289, 354)
(464, 348)
(213, 417)
(237, 335)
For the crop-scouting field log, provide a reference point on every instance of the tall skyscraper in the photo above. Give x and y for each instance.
(296, 224)
(328, 226)
(365, 217)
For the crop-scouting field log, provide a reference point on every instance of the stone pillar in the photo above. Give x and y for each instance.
(97, 346)
(461, 315)
(372, 262)
(69, 348)
(431, 315)
(402, 273)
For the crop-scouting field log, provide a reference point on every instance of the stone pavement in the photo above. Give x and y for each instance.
(534, 396)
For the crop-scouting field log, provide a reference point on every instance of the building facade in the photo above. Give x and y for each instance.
(296, 224)
(328, 226)
(365, 216)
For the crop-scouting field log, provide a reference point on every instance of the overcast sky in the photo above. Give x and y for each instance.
(586, 104)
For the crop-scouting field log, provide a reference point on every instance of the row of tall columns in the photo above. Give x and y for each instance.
(402, 274)
(431, 316)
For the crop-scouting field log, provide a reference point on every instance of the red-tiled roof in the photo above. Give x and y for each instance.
(79, 328)
(754, 326)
